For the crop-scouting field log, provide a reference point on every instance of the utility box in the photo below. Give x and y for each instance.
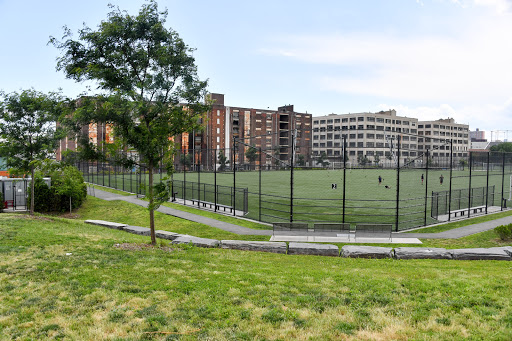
(15, 191)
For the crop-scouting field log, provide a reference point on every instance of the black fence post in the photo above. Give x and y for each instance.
(451, 176)
(184, 184)
(291, 179)
(470, 192)
(502, 201)
(487, 184)
(259, 189)
(398, 183)
(198, 179)
(215, 180)
(426, 192)
(122, 174)
(234, 175)
(344, 174)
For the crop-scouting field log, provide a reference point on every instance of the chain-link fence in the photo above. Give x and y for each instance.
(270, 184)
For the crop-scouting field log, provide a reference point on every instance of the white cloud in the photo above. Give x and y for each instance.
(475, 65)
(499, 6)
(485, 117)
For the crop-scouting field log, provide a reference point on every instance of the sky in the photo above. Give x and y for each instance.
(428, 59)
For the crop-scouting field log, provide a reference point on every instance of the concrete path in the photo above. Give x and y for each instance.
(180, 214)
(451, 234)
(459, 232)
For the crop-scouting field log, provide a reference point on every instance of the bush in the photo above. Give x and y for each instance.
(67, 188)
(504, 231)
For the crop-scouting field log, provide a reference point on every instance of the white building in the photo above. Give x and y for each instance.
(372, 137)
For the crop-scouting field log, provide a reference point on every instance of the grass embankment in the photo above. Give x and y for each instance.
(123, 212)
(461, 223)
(126, 213)
(213, 215)
(64, 279)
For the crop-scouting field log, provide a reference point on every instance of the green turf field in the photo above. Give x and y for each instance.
(315, 200)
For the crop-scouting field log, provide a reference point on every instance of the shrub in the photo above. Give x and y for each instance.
(504, 231)
(67, 191)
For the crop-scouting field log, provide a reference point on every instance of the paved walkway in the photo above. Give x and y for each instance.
(461, 231)
(180, 214)
(451, 234)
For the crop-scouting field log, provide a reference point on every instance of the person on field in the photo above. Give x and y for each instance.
(422, 179)
(441, 179)
(380, 179)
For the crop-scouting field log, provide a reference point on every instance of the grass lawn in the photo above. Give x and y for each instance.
(126, 213)
(465, 222)
(63, 279)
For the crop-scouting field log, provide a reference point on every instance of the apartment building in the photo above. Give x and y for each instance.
(368, 135)
(436, 136)
(98, 134)
(270, 130)
(477, 135)
(372, 137)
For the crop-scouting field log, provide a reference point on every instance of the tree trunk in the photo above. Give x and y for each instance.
(151, 210)
(32, 194)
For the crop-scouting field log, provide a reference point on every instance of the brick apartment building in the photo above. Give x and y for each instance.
(98, 133)
(270, 130)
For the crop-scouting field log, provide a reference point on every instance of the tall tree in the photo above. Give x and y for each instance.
(321, 160)
(502, 147)
(149, 83)
(252, 155)
(28, 130)
(223, 160)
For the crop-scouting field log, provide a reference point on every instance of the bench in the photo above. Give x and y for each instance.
(374, 231)
(342, 228)
(290, 228)
(462, 211)
(212, 205)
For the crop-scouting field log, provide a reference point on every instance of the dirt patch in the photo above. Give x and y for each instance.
(141, 247)
(69, 215)
(34, 217)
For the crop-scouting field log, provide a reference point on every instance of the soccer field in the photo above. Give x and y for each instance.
(315, 199)
(323, 195)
